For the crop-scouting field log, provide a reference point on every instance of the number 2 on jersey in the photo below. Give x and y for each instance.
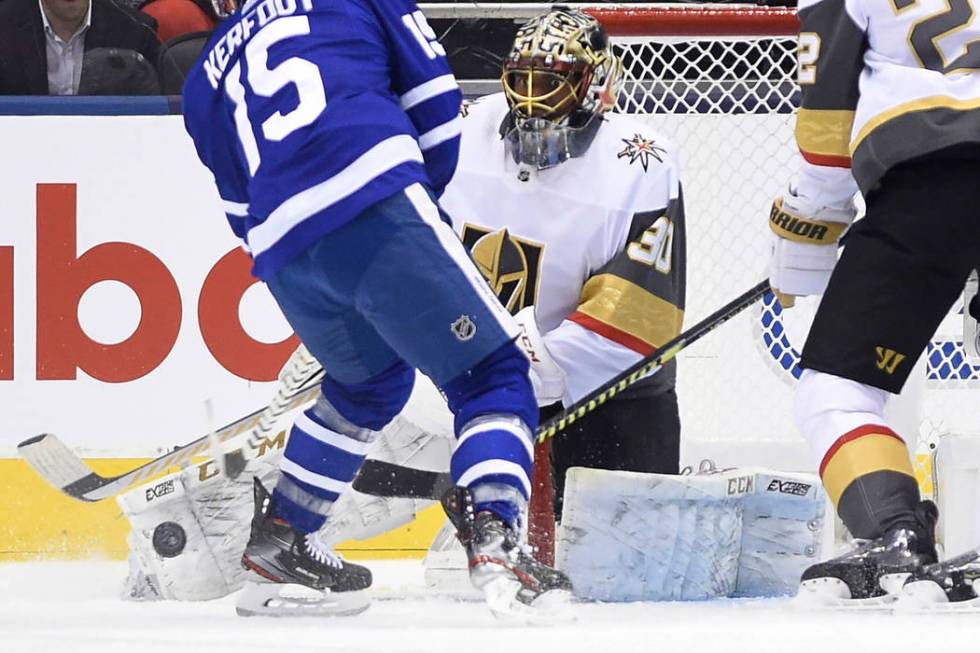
(929, 36)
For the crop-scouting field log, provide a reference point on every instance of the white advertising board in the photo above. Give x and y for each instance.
(125, 301)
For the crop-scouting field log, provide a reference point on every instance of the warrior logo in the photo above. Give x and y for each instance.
(641, 149)
(510, 264)
(888, 359)
(463, 328)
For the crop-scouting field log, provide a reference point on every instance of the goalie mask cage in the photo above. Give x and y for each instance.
(719, 80)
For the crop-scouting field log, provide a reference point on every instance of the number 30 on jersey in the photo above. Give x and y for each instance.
(655, 246)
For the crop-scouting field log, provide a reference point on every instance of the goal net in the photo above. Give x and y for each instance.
(719, 80)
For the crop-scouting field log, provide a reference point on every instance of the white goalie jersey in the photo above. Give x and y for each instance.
(595, 244)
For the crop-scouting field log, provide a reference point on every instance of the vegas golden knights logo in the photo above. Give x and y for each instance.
(511, 265)
(888, 359)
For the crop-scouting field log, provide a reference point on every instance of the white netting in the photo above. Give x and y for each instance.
(729, 103)
(719, 80)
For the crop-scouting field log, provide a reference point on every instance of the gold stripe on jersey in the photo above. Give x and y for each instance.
(923, 104)
(630, 309)
(869, 449)
(824, 135)
(792, 226)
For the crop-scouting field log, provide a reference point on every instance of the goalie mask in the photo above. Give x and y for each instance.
(559, 77)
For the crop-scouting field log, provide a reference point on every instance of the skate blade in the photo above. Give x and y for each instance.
(288, 600)
(553, 607)
(927, 596)
(833, 594)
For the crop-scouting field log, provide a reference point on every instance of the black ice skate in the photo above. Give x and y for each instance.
(294, 573)
(514, 583)
(871, 575)
(949, 586)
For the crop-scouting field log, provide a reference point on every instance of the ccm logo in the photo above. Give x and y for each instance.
(63, 276)
(741, 485)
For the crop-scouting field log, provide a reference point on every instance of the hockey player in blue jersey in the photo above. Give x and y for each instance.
(331, 127)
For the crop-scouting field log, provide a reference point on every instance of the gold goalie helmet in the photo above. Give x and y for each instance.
(559, 77)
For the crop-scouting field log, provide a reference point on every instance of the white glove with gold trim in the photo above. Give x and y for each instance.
(547, 378)
(804, 245)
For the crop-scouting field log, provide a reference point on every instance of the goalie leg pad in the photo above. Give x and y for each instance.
(628, 536)
(783, 520)
(189, 531)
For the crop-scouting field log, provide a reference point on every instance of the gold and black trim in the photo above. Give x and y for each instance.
(865, 450)
(910, 130)
(511, 264)
(824, 136)
(800, 229)
(627, 313)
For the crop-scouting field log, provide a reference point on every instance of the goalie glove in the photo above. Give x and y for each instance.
(547, 378)
(804, 245)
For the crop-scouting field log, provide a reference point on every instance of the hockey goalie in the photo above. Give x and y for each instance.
(575, 217)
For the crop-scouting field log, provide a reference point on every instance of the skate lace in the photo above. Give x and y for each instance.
(319, 551)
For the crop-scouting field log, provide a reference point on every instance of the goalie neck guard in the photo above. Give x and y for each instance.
(559, 77)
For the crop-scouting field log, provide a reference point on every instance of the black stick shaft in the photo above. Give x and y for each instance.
(651, 363)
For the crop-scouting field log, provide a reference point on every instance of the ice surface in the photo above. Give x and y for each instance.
(72, 607)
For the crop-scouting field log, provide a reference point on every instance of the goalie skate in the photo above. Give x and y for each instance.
(295, 574)
(517, 587)
(871, 576)
(949, 586)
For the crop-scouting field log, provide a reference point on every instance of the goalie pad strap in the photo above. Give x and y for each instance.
(792, 226)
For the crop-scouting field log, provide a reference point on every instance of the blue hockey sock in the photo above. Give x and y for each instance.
(317, 467)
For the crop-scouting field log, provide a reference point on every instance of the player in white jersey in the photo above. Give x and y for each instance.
(575, 216)
(891, 108)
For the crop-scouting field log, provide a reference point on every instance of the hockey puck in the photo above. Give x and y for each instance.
(169, 539)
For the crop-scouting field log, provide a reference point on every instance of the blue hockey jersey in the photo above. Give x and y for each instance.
(310, 111)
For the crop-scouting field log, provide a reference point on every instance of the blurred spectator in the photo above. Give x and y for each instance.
(178, 57)
(178, 17)
(111, 71)
(43, 42)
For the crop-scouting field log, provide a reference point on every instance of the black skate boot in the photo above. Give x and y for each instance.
(871, 575)
(514, 583)
(294, 573)
(949, 586)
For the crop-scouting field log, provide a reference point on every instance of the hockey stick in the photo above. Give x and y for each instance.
(61, 467)
(300, 369)
(651, 364)
(643, 368)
